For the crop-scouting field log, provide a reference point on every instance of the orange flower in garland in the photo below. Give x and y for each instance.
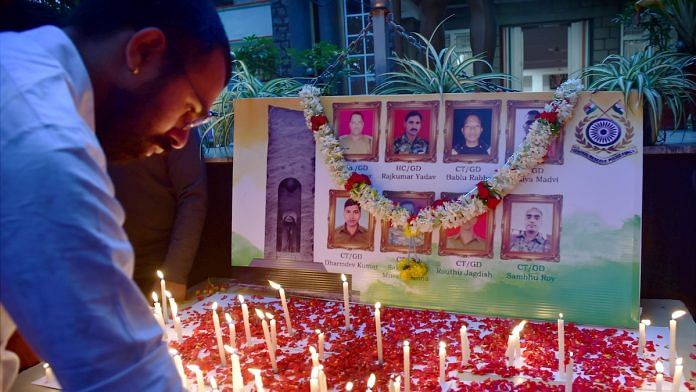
(318, 121)
(357, 179)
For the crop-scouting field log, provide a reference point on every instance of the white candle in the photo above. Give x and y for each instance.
(660, 377)
(169, 300)
(673, 339)
(177, 320)
(569, 374)
(245, 316)
(258, 382)
(218, 335)
(200, 384)
(678, 369)
(237, 380)
(378, 329)
(163, 288)
(157, 313)
(510, 351)
(323, 384)
(346, 299)
(390, 385)
(517, 331)
(371, 381)
(281, 291)
(314, 380)
(349, 386)
(267, 338)
(465, 344)
(274, 331)
(314, 356)
(397, 384)
(213, 383)
(443, 356)
(179, 367)
(50, 378)
(561, 345)
(320, 344)
(407, 366)
(232, 330)
(641, 336)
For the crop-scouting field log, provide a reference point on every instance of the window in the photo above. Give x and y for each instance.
(357, 16)
(460, 39)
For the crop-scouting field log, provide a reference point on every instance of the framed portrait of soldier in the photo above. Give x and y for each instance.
(350, 226)
(411, 131)
(471, 131)
(531, 227)
(473, 238)
(357, 129)
(393, 238)
(520, 117)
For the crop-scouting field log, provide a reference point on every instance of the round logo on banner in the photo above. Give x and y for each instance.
(603, 132)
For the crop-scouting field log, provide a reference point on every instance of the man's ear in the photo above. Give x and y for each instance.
(145, 48)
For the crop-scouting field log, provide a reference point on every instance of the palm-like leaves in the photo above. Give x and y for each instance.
(658, 79)
(443, 72)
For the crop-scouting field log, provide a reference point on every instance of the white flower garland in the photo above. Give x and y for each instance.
(468, 206)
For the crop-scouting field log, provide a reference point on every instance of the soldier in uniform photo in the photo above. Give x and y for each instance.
(472, 143)
(530, 240)
(409, 143)
(355, 142)
(351, 232)
(466, 238)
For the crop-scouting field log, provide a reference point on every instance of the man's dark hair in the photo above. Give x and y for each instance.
(350, 202)
(192, 27)
(413, 113)
(359, 114)
(534, 113)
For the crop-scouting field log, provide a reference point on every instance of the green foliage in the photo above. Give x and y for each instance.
(655, 26)
(658, 79)
(443, 72)
(659, 18)
(260, 55)
(243, 84)
(317, 59)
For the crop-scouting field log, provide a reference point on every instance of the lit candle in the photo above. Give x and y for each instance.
(678, 369)
(465, 344)
(569, 374)
(50, 378)
(157, 313)
(314, 380)
(517, 331)
(163, 288)
(281, 291)
(397, 384)
(218, 335)
(510, 351)
(660, 377)
(673, 339)
(323, 385)
(346, 298)
(232, 329)
(378, 329)
(267, 338)
(314, 356)
(258, 382)
(213, 383)
(320, 344)
(349, 386)
(371, 382)
(561, 345)
(245, 316)
(443, 356)
(274, 331)
(179, 367)
(641, 336)
(407, 366)
(177, 320)
(200, 384)
(237, 380)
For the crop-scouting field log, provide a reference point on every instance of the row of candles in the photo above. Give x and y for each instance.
(318, 379)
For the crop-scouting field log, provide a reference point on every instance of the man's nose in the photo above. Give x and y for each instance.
(178, 137)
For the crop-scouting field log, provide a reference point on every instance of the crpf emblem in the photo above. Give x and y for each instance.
(604, 136)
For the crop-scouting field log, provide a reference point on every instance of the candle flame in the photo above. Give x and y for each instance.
(378, 305)
(194, 368)
(46, 365)
(229, 349)
(343, 277)
(155, 298)
(255, 372)
(228, 318)
(240, 298)
(463, 328)
(371, 380)
(312, 350)
(275, 285)
(259, 313)
(659, 367)
(646, 322)
(318, 331)
(160, 274)
(168, 293)
(678, 314)
(406, 344)
(315, 372)
(679, 361)
(560, 316)
(173, 352)
(571, 355)
(349, 386)
(214, 307)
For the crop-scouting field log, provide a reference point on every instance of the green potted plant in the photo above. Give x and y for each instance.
(659, 80)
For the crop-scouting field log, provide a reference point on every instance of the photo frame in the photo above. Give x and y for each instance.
(519, 112)
(478, 245)
(397, 113)
(338, 237)
(456, 146)
(393, 238)
(343, 118)
(524, 213)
